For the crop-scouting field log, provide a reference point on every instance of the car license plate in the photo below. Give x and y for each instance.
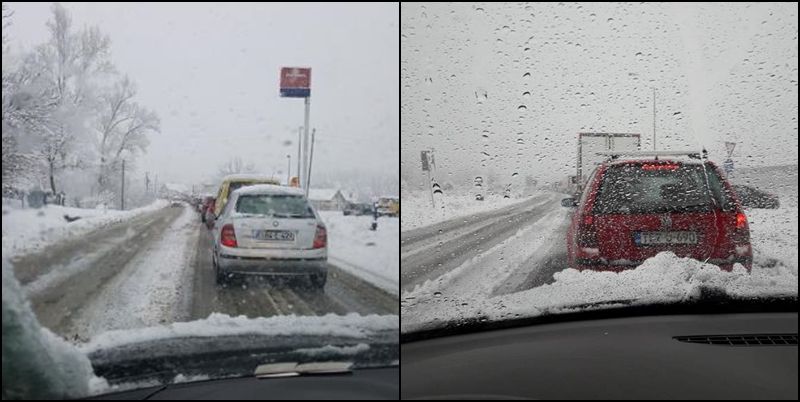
(273, 235)
(652, 238)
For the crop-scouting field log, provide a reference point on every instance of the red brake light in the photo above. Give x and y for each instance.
(320, 237)
(228, 236)
(587, 235)
(741, 220)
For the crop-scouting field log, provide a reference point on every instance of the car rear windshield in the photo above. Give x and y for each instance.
(277, 205)
(661, 187)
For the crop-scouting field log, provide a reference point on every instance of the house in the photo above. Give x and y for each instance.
(327, 199)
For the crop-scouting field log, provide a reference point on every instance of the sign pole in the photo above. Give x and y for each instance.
(305, 143)
(299, 145)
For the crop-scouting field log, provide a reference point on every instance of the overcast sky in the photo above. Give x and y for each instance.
(211, 73)
(506, 87)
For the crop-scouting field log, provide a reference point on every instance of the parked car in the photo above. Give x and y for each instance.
(630, 210)
(355, 208)
(270, 230)
(232, 182)
(755, 198)
(205, 207)
(388, 206)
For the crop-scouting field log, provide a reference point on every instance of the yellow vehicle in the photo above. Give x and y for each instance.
(388, 206)
(234, 181)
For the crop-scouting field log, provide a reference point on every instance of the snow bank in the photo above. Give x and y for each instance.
(38, 364)
(29, 230)
(416, 210)
(773, 234)
(371, 255)
(331, 325)
(663, 278)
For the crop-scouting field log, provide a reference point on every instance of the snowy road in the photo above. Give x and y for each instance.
(156, 269)
(429, 252)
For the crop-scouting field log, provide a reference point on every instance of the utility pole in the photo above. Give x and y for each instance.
(299, 144)
(288, 168)
(654, 118)
(307, 101)
(123, 185)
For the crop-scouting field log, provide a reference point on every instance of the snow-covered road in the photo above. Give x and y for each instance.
(153, 267)
(511, 262)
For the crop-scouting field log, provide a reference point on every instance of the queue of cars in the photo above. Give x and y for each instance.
(259, 227)
(632, 209)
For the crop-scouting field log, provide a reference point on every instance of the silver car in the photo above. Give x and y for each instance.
(270, 230)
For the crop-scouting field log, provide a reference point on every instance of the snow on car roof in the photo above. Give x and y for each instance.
(268, 189)
(249, 176)
(660, 160)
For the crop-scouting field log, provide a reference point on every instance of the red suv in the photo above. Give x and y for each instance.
(630, 210)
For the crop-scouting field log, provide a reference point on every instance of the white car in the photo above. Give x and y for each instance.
(270, 230)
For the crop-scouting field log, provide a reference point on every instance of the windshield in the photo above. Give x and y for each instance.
(565, 157)
(127, 128)
(288, 206)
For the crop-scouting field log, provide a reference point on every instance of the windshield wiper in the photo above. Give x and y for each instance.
(292, 369)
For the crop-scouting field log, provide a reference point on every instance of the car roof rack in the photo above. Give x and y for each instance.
(694, 154)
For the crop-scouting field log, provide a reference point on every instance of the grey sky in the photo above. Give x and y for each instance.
(211, 73)
(506, 87)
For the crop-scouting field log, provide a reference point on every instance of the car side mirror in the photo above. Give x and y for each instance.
(569, 202)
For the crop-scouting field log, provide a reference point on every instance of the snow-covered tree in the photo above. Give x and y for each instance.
(122, 128)
(236, 165)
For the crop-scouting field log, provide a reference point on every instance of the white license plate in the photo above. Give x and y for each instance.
(273, 235)
(651, 238)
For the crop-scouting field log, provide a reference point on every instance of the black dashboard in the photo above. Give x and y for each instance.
(720, 356)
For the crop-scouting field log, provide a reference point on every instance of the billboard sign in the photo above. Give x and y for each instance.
(295, 82)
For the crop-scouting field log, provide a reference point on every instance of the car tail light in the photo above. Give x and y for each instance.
(228, 236)
(741, 221)
(587, 235)
(321, 237)
(741, 232)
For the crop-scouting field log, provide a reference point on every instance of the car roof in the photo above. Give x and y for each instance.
(638, 161)
(269, 189)
(248, 177)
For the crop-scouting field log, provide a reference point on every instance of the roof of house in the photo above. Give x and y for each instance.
(322, 194)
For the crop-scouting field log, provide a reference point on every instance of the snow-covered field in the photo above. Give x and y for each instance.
(417, 211)
(28, 230)
(371, 255)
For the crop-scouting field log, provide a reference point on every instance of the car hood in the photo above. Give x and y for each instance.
(239, 345)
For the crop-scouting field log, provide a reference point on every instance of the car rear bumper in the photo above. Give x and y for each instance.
(271, 266)
(617, 266)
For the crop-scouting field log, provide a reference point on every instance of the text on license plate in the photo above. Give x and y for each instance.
(648, 238)
(276, 235)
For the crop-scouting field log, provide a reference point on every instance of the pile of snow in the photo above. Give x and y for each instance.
(371, 255)
(28, 230)
(352, 325)
(664, 278)
(417, 211)
(773, 234)
(38, 364)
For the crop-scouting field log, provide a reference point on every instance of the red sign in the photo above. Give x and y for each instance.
(295, 81)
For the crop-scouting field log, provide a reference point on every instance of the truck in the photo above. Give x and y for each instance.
(590, 144)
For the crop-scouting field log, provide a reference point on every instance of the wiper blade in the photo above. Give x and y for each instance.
(292, 369)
